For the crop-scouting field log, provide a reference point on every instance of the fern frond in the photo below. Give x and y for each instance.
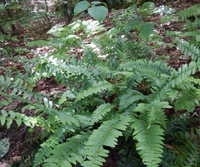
(176, 78)
(188, 150)
(155, 112)
(146, 68)
(105, 135)
(69, 152)
(49, 145)
(150, 142)
(190, 34)
(192, 11)
(187, 101)
(96, 88)
(129, 97)
(101, 111)
(66, 118)
(188, 49)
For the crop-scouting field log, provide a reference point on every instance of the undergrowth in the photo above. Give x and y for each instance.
(114, 90)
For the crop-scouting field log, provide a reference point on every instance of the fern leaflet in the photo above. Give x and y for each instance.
(47, 146)
(129, 97)
(150, 144)
(101, 111)
(68, 152)
(96, 88)
(105, 135)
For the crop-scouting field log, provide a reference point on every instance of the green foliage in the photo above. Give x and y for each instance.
(190, 27)
(192, 11)
(105, 135)
(113, 92)
(49, 145)
(68, 152)
(184, 151)
(150, 142)
(97, 12)
(4, 147)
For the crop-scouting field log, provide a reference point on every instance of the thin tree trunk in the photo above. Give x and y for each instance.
(46, 14)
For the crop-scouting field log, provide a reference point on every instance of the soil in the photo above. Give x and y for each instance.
(21, 138)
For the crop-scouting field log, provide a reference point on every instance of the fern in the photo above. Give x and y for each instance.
(68, 152)
(105, 135)
(192, 11)
(154, 112)
(188, 49)
(187, 101)
(49, 145)
(112, 92)
(129, 97)
(100, 86)
(150, 142)
(101, 111)
(149, 68)
(185, 150)
(176, 78)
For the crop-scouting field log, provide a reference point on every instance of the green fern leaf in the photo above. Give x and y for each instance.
(188, 49)
(101, 111)
(176, 78)
(66, 118)
(48, 145)
(155, 112)
(37, 43)
(69, 152)
(150, 142)
(192, 11)
(96, 88)
(105, 135)
(149, 69)
(187, 101)
(187, 148)
(129, 97)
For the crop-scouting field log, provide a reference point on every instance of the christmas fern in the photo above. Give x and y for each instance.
(150, 142)
(105, 135)
(192, 11)
(47, 146)
(100, 86)
(110, 94)
(69, 152)
(101, 111)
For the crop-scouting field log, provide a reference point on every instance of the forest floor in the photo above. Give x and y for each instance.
(20, 138)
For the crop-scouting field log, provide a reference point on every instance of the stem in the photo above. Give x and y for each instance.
(46, 14)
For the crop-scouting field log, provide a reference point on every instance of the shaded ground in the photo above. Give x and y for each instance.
(20, 138)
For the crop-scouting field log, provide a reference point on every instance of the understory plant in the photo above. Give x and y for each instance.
(115, 97)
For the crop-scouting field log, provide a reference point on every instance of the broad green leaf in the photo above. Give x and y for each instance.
(98, 12)
(80, 7)
(147, 29)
